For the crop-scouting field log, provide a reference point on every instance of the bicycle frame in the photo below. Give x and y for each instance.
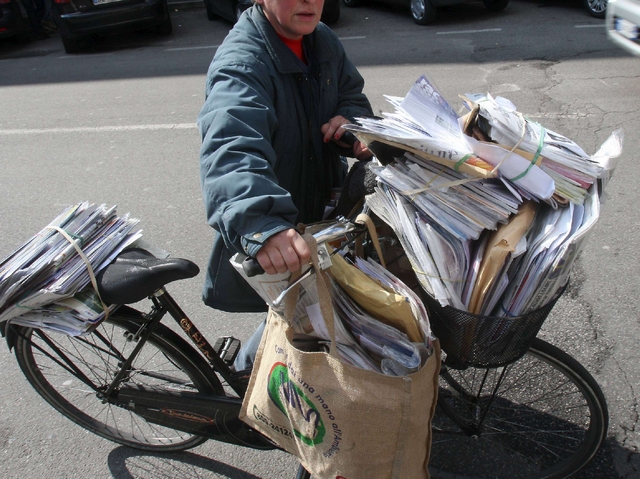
(207, 415)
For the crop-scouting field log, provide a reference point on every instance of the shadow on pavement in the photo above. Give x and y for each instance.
(128, 463)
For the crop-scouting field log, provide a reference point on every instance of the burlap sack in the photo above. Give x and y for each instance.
(340, 421)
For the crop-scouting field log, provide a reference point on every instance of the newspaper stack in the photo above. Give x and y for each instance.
(45, 283)
(491, 209)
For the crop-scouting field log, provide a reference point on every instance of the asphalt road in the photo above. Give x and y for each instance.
(116, 125)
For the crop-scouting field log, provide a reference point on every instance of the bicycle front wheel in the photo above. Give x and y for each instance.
(543, 416)
(71, 373)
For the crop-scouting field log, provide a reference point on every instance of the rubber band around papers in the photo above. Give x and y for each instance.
(462, 160)
(74, 240)
(509, 315)
(413, 193)
(495, 169)
(535, 157)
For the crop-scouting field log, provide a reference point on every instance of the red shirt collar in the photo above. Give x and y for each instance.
(295, 46)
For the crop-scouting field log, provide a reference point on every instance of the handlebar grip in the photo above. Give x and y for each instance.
(251, 267)
(348, 138)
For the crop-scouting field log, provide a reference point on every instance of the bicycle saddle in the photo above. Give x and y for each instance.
(135, 274)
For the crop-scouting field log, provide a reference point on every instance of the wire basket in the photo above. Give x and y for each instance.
(484, 341)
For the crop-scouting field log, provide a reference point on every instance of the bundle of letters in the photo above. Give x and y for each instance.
(46, 282)
(491, 207)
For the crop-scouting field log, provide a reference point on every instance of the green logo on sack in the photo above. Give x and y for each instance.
(301, 412)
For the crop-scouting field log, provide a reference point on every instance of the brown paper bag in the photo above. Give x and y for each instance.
(340, 421)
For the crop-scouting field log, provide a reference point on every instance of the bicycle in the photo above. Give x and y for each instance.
(516, 409)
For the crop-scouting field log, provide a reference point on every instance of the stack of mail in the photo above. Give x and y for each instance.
(536, 162)
(461, 207)
(508, 272)
(573, 171)
(377, 346)
(44, 281)
(499, 244)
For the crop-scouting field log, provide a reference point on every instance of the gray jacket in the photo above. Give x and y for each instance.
(263, 164)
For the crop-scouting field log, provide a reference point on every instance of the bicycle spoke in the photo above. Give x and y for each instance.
(537, 417)
(59, 366)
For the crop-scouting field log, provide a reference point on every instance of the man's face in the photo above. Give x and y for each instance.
(293, 18)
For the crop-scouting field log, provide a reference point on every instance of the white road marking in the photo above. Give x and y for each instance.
(351, 38)
(470, 31)
(99, 129)
(590, 25)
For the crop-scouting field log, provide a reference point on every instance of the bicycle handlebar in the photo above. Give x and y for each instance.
(341, 227)
(347, 138)
(251, 267)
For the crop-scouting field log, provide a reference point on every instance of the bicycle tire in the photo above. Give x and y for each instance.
(166, 360)
(547, 420)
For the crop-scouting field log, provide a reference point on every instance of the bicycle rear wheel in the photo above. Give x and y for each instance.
(547, 419)
(71, 373)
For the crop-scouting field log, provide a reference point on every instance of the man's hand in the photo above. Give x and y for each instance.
(284, 251)
(333, 131)
(361, 152)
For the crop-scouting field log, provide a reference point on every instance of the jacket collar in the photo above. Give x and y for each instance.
(283, 58)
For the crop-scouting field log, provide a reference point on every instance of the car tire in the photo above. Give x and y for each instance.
(71, 45)
(22, 27)
(423, 12)
(352, 3)
(596, 8)
(496, 5)
(165, 28)
(211, 16)
(331, 12)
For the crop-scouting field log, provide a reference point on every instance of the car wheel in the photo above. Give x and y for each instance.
(211, 16)
(71, 45)
(165, 28)
(22, 27)
(496, 5)
(352, 3)
(596, 8)
(423, 12)
(331, 12)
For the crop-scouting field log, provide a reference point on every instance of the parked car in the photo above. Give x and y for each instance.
(80, 19)
(623, 24)
(424, 11)
(12, 21)
(231, 10)
(596, 8)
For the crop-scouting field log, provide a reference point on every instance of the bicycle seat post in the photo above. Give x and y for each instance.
(201, 342)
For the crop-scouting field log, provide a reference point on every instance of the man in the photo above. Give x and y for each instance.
(279, 89)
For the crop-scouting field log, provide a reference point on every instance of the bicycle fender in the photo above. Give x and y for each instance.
(8, 333)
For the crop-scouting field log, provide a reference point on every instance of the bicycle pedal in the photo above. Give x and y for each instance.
(227, 348)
